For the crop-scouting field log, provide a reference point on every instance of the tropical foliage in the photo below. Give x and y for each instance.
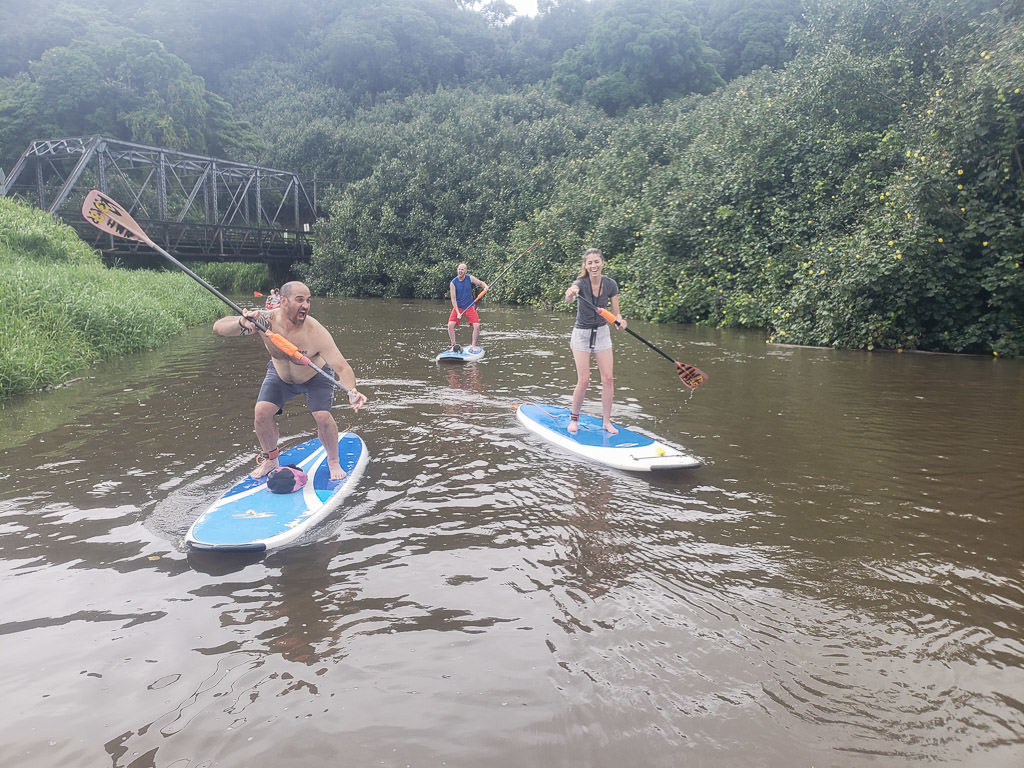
(132, 90)
(837, 172)
(637, 52)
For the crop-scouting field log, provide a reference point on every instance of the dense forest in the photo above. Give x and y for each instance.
(837, 172)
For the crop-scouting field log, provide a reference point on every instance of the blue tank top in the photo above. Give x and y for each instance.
(463, 291)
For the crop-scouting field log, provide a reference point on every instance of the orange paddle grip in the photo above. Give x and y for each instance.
(286, 346)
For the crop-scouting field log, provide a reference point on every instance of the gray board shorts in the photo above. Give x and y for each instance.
(319, 391)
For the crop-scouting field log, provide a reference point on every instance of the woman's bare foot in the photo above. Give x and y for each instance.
(574, 426)
(610, 428)
(337, 473)
(264, 469)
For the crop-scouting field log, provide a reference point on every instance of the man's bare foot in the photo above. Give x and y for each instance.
(610, 428)
(337, 473)
(264, 469)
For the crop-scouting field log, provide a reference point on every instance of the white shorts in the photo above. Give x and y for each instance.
(580, 340)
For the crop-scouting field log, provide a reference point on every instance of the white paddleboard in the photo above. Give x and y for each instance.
(626, 450)
(250, 517)
(464, 356)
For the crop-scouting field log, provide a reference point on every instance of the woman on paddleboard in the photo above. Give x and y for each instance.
(592, 336)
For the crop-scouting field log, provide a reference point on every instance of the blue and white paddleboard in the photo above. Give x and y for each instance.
(625, 450)
(250, 517)
(467, 354)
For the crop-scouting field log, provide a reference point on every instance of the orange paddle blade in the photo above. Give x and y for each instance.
(257, 293)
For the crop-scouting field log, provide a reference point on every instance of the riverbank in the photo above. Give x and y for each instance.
(65, 311)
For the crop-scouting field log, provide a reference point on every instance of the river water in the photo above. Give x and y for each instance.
(840, 584)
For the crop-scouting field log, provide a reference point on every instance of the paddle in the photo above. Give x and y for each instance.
(688, 374)
(108, 216)
(480, 295)
(257, 294)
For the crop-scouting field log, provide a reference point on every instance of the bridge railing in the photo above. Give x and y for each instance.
(189, 241)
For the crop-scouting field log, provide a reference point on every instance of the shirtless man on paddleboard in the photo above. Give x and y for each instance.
(287, 378)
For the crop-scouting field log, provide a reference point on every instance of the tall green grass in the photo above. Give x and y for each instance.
(64, 310)
(233, 277)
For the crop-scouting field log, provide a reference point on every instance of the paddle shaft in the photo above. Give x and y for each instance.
(292, 351)
(501, 274)
(107, 215)
(692, 377)
(645, 341)
(611, 319)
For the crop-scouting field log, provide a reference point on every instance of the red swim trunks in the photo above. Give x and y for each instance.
(469, 315)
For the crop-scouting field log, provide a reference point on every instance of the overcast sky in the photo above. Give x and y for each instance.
(528, 7)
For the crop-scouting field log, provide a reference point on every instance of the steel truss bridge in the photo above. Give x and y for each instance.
(197, 208)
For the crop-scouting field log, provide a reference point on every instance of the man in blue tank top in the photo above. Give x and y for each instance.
(461, 291)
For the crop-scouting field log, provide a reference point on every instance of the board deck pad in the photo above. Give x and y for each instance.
(628, 449)
(250, 517)
(467, 354)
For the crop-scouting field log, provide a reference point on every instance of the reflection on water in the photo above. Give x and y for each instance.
(840, 584)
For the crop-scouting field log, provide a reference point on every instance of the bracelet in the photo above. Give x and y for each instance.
(240, 324)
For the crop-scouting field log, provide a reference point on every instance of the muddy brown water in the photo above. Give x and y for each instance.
(840, 584)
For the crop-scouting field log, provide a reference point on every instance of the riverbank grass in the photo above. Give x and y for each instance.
(64, 310)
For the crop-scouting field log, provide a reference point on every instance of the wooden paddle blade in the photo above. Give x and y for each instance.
(106, 214)
(690, 376)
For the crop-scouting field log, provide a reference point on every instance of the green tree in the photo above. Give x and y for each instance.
(216, 38)
(401, 46)
(748, 34)
(28, 29)
(910, 33)
(133, 90)
(538, 42)
(456, 174)
(637, 52)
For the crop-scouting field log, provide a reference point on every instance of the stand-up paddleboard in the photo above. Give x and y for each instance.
(251, 517)
(625, 450)
(462, 355)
